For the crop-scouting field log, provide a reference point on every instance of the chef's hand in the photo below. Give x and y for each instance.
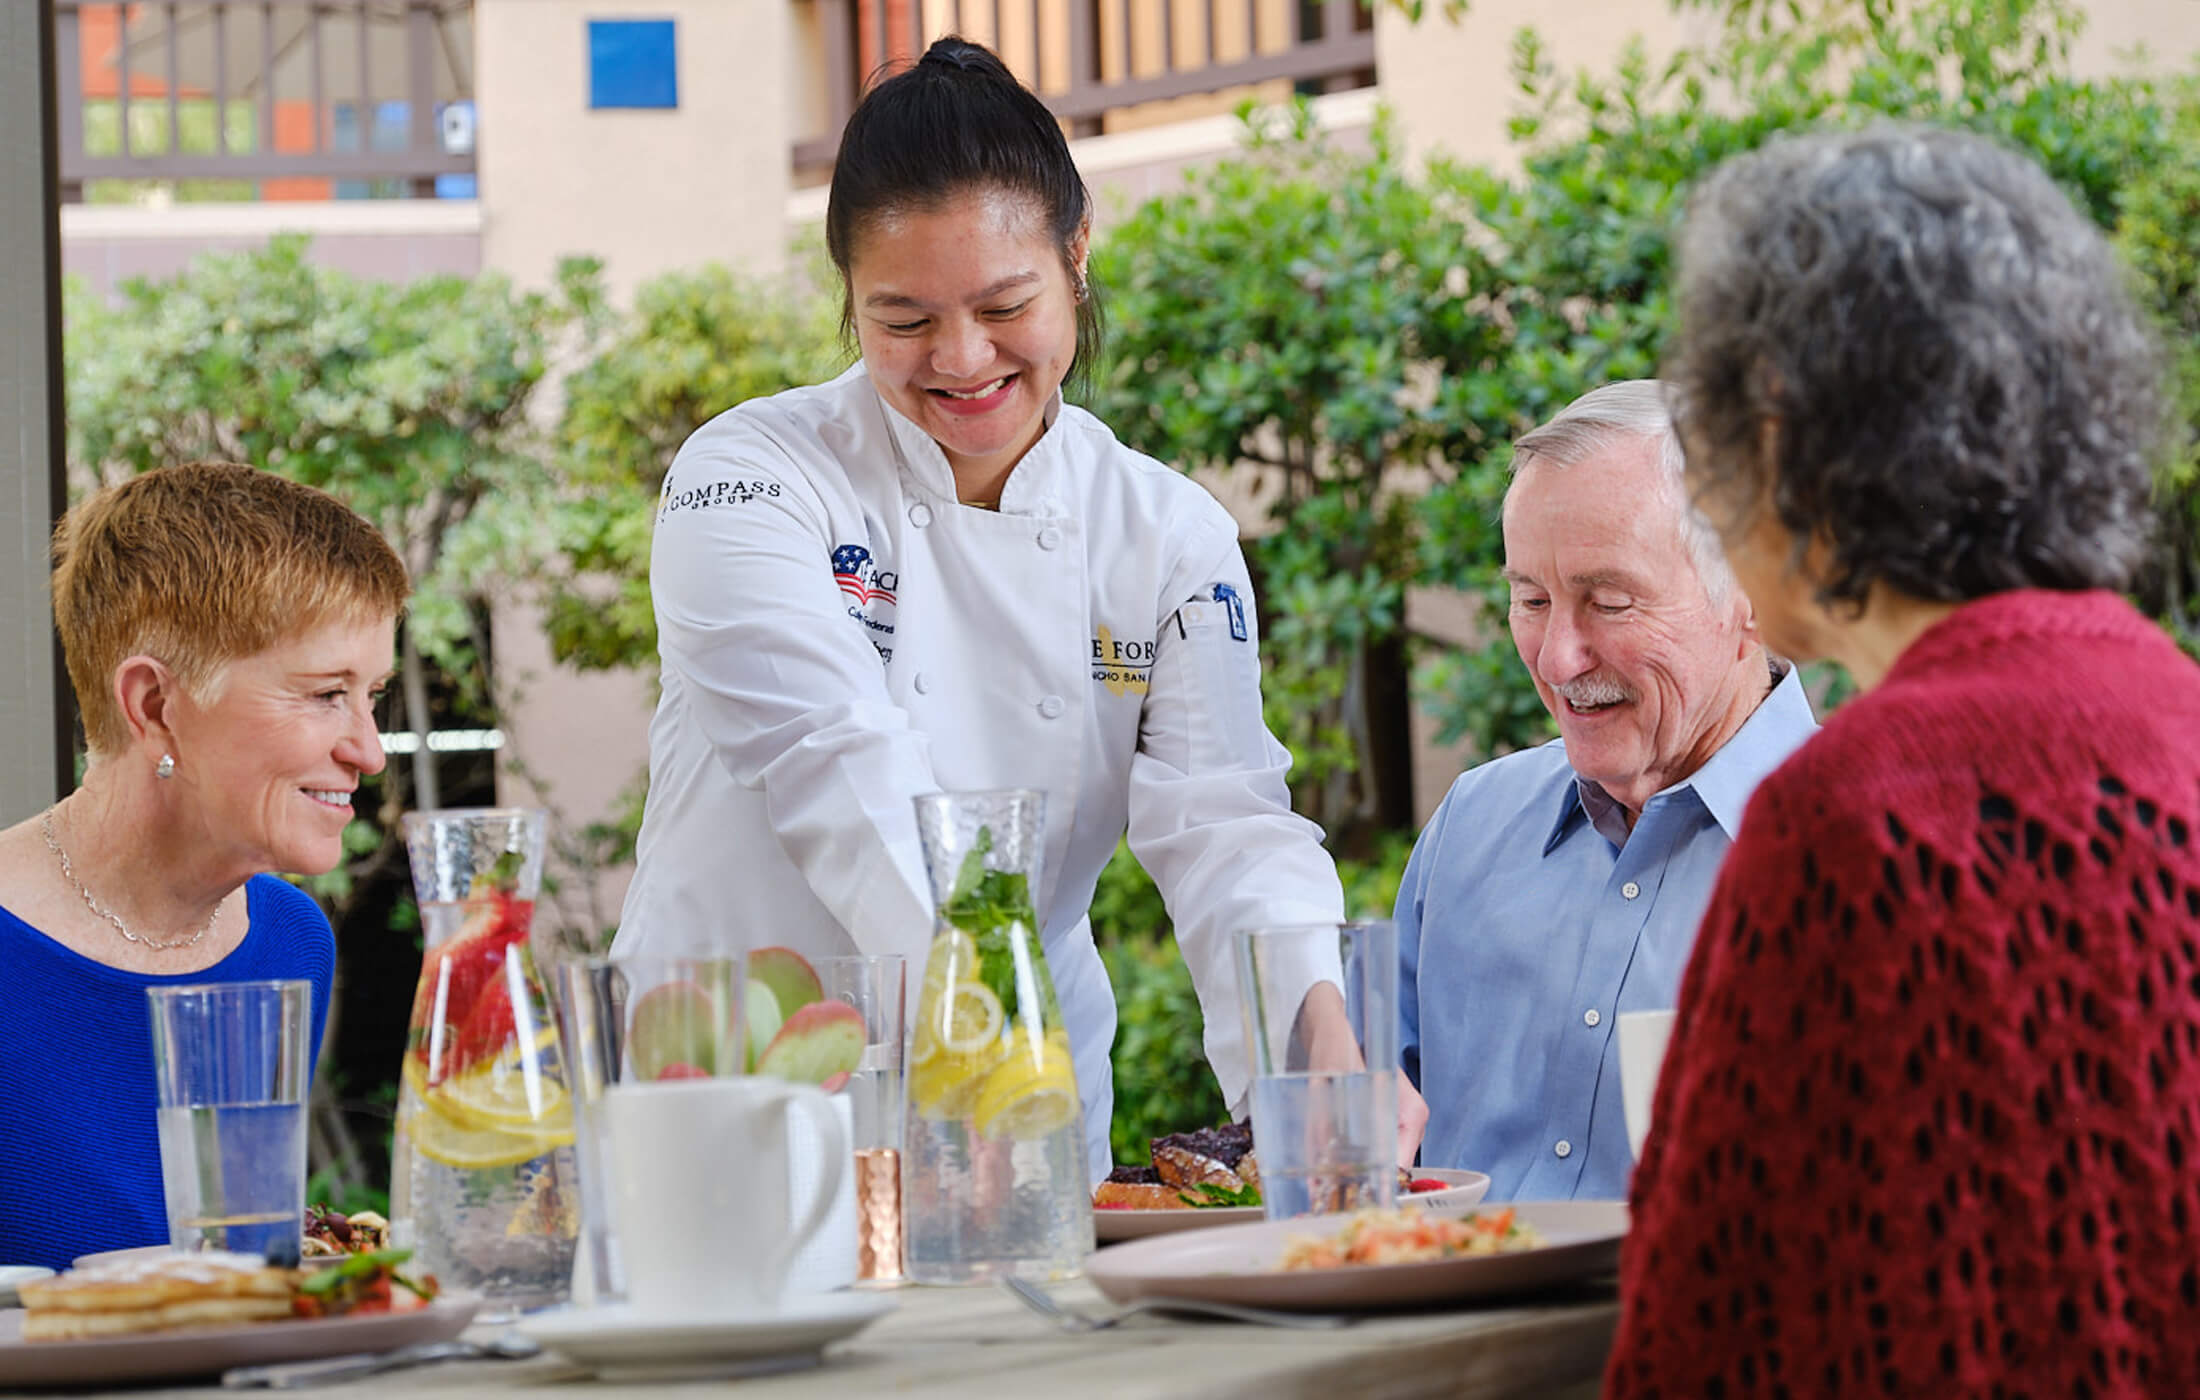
(1322, 1039)
(1412, 1120)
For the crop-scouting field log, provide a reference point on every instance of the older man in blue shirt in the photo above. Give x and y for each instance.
(1560, 886)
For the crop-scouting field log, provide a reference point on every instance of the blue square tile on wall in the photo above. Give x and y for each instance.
(633, 63)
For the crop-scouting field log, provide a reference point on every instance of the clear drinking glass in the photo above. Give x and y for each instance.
(482, 1172)
(993, 1176)
(1320, 1004)
(875, 987)
(639, 1020)
(230, 1061)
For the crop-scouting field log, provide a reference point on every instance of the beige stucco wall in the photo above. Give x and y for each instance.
(1451, 85)
(645, 190)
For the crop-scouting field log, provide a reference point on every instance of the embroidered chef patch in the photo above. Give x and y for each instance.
(868, 590)
(1125, 668)
(712, 494)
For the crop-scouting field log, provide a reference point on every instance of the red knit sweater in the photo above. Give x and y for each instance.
(1929, 1118)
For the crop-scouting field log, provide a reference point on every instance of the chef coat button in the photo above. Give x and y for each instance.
(1051, 707)
(920, 515)
(1564, 1148)
(1588, 1018)
(1630, 889)
(1050, 538)
(924, 685)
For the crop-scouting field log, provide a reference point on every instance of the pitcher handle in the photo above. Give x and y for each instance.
(833, 1134)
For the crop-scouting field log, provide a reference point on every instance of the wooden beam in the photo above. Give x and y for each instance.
(36, 712)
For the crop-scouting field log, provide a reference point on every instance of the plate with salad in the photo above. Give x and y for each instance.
(1133, 1214)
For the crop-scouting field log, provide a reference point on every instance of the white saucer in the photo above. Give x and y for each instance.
(13, 1274)
(619, 1343)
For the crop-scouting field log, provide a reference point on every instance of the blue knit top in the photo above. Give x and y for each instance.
(79, 1145)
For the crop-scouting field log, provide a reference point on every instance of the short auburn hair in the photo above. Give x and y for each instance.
(202, 565)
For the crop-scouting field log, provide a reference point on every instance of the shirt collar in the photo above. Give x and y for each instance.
(1773, 730)
(1023, 493)
(1762, 744)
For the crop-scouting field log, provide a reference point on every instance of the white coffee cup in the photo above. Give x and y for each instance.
(700, 1189)
(828, 1261)
(1642, 1037)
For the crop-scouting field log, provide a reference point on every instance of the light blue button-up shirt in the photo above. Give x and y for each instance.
(1523, 932)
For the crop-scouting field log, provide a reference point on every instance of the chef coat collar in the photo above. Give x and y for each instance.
(1026, 491)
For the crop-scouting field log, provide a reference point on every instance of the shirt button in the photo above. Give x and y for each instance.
(1564, 1148)
(1630, 889)
(922, 685)
(920, 515)
(1051, 707)
(1050, 538)
(1588, 1018)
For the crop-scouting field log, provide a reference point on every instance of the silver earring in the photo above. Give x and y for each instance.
(166, 768)
(1083, 288)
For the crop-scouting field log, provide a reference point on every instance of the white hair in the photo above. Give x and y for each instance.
(1638, 409)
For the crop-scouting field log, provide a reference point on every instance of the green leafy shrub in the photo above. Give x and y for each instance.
(1301, 307)
(2159, 234)
(1162, 1082)
(695, 344)
(1578, 248)
(410, 403)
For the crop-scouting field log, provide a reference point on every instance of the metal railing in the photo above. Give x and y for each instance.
(255, 90)
(319, 91)
(1087, 58)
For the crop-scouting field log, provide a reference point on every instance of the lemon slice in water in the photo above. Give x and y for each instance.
(948, 1086)
(969, 1018)
(444, 1139)
(498, 1096)
(1021, 1100)
(953, 956)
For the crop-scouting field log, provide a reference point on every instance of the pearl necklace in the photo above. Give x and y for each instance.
(53, 843)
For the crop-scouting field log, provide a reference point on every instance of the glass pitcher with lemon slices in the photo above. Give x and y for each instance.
(482, 1176)
(993, 1159)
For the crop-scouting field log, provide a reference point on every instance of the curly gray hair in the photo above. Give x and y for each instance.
(1631, 408)
(1963, 398)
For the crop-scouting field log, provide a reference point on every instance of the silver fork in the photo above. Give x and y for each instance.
(1072, 1320)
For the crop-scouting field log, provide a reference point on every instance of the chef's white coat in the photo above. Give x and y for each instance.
(839, 635)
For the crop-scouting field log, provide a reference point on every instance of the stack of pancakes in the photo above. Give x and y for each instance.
(155, 1295)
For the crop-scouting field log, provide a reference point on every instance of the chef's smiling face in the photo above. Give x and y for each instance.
(967, 320)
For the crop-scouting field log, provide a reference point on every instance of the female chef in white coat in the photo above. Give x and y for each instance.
(933, 574)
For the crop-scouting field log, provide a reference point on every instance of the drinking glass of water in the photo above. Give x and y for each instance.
(876, 987)
(1320, 1004)
(230, 1062)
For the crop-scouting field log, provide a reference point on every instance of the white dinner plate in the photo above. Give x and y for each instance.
(13, 1274)
(158, 1251)
(1237, 1264)
(618, 1342)
(206, 1351)
(1110, 1226)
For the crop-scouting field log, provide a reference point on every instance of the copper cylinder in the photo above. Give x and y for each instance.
(878, 1213)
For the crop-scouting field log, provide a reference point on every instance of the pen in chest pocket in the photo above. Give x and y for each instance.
(1231, 601)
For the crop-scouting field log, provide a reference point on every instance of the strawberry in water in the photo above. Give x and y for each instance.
(462, 1013)
(489, 1027)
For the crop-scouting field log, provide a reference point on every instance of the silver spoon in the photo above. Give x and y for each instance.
(1073, 1320)
(508, 1346)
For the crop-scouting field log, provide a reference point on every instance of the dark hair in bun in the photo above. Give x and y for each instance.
(955, 122)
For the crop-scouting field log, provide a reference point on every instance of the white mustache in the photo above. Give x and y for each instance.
(1593, 690)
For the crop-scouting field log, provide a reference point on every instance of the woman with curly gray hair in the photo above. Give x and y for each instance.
(1924, 1120)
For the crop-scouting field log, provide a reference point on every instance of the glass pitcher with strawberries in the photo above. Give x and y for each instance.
(482, 1176)
(994, 1178)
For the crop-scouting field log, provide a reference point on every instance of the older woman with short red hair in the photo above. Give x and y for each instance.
(226, 632)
